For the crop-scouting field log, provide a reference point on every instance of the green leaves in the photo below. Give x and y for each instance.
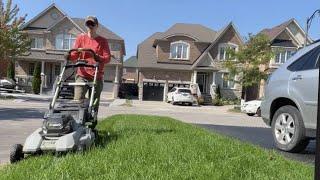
(250, 60)
(13, 42)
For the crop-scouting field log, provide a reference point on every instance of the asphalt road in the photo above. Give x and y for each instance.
(263, 138)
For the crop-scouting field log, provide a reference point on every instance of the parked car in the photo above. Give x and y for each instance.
(251, 108)
(7, 83)
(179, 96)
(290, 103)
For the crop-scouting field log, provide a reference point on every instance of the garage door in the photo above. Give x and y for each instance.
(153, 91)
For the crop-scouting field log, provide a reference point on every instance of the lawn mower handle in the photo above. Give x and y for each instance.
(79, 50)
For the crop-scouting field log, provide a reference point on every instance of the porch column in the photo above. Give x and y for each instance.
(194, 78)
(116, 83)
(42, 78)
(165, 91)
(213, 85)
(140, 86)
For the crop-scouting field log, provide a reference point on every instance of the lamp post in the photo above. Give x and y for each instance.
(317, 154)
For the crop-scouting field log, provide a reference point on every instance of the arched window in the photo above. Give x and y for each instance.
(179, 50)
(65, 41)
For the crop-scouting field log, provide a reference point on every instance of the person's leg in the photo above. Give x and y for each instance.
(79, 91)
(99, 88)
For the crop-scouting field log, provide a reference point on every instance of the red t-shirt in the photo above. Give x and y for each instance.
(100, 46)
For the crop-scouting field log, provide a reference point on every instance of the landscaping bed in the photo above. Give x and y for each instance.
(152, 147)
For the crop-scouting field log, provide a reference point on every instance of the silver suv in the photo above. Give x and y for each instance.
(290, 103)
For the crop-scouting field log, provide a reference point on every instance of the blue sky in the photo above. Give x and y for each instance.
(135, 20)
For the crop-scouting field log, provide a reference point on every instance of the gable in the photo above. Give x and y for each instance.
(65, 26)
(285, 39)
(206, 61)
(47, 19)
(296, 31)
(230, 36)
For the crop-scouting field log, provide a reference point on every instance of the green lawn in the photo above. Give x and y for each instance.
(151, 147)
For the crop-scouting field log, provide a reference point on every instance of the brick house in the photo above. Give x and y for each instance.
(53, 33)
(184, 55)
(130, 71)
(285, 40)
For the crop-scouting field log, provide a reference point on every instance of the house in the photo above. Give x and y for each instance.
(285, 40)
(53, 33)
(185, 55)
(130, 70)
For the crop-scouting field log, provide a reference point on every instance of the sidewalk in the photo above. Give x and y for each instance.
(26, 96)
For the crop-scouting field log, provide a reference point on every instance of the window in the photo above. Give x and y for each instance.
(282, 56)
(124, 70)
(31, 69)
(227, 81)
(37, 43)
(114, 46)
(65, 41)
(307, 61)
(179, 50)
(57, 70)
(224, 49)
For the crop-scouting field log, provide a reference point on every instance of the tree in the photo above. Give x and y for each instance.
(36, 81)
(251, 59)
(13, 42)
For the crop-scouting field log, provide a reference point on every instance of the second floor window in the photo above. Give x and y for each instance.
(282, 56)
(114, 46)
(179, 50)
(37, 43)
(224, 51)
(65, 41)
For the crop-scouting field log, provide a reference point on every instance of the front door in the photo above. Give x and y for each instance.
(202, 80)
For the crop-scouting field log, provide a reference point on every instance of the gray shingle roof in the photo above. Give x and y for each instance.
(147, 56)
(131, 62)
(196, 31)
(273, 32)
(102, 30)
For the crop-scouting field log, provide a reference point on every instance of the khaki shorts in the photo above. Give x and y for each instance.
(81, 91)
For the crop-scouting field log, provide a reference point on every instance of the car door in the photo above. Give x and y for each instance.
(303, 85)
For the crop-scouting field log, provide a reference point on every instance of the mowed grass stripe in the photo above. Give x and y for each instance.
(153, 147)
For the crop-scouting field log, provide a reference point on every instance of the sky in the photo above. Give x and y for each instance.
(136, 20)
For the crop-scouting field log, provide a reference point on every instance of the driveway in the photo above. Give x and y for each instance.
(19, 118)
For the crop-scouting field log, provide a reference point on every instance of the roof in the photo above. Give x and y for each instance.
(196, 31)
(131, 62)
(102, 30)
(51, 55)
(273, 32)
(147, 55)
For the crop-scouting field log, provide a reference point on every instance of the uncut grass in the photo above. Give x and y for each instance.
(152, 147)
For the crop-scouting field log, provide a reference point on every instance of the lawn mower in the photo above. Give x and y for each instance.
(68, 124)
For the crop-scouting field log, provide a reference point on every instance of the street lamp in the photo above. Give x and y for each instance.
(317, 158)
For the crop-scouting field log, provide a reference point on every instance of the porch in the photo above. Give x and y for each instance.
(50, 70)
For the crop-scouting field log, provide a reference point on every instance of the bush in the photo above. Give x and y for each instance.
(36, 81)
(217, 101)
(11, 71)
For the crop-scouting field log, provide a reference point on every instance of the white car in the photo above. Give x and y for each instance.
(179, 96)
(251, 108)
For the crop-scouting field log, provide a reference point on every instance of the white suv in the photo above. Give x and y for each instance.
(180, 95)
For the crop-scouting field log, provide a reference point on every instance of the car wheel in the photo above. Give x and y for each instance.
(172, 102)
(259, 112)
(190, 104)
(250, 114)
(16, 153)
(288, 130)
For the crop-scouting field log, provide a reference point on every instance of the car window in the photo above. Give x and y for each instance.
(173, 89)
(184, 91)
(307, 61)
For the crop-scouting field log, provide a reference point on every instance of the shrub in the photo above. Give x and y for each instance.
(11, 71)
(36, 81)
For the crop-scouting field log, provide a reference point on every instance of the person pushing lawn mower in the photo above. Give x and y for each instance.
(90, 40)
(69, 125)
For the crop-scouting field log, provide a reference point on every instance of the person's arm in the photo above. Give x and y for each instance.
(75, 55)
(105, 55)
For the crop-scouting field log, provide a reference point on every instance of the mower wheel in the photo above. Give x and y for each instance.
(16, 153)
